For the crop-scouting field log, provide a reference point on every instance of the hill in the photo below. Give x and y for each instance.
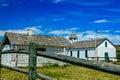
(71, 72)
(118, 51)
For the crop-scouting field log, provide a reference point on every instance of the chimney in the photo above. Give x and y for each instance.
(29, 32)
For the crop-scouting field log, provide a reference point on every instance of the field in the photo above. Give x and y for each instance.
(118, 51)
(117, 47)
(71, 72)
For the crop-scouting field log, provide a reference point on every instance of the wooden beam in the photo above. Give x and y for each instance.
(32, 61)
(0, 63)
(102, 66)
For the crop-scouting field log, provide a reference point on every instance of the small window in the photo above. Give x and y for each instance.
(86, 53)
(70, 53)
(6, 46)
(78, 53)
(105, 44)
(41, 49)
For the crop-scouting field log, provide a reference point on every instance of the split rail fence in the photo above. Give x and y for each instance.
(32, 74)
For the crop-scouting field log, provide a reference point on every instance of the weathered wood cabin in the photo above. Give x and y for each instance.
(45, 44)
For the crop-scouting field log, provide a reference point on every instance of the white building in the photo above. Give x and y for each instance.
(100, 49)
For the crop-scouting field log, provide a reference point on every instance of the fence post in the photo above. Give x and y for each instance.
(0, 63)
(32, 61)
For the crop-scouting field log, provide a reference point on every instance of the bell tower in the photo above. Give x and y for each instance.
(73, 38)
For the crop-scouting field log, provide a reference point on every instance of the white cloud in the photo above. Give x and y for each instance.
(67, 31)
(90, 35)
(58, 32)
(86, 35)
(57, 1)
(118, 31)
(101, 21)
(115, 39)
(75, 28)
(103, 31)
(3, 5)
(58, 19)
(35, 30)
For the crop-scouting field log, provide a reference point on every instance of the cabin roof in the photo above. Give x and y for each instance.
(24, 39)
(88, 43)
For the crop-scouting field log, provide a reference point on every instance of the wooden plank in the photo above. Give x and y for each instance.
(0, 63)
(40, 76)
(32, 61)
(102, 66)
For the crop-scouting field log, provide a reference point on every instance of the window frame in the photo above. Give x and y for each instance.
(86, 53)
(78, 54)
(71, 53)
(106, 44)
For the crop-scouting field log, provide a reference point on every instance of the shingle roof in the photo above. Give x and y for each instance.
(73, 36)
(87, 44)
(23, 39)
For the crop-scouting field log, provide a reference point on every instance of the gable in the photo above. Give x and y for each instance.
(106, 43)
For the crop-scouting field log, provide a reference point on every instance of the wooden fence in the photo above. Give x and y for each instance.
(32, 74)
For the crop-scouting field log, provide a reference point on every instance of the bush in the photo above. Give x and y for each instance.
(49, 64)
(118, 56)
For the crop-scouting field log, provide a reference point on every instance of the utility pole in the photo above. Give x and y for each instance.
(96, 53)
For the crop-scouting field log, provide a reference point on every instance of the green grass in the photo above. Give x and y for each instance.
(118, 51)
(63, 73)
(12, 75)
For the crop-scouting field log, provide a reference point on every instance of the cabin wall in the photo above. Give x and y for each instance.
(16, 59)
(6, 58)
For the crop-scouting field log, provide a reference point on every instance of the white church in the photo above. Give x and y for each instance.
(100, 49)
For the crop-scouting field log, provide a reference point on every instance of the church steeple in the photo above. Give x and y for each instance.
(73, 37)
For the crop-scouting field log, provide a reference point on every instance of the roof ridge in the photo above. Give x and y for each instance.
(92, 40)
(33, 34)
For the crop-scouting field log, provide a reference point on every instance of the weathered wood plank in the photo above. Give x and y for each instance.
(0, 63)
(102, 66)
(32, 61)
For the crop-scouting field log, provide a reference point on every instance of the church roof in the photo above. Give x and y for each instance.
(88, 43)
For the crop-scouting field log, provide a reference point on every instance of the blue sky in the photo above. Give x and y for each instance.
(62, 17)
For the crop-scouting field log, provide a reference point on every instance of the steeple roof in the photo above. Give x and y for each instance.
(73, 36)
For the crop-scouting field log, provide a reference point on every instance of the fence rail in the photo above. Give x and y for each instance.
(38, 75)
(32, 74)
(102, 66)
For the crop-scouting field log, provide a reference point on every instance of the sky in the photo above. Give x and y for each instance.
(85, 18)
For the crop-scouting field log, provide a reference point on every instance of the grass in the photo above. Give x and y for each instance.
(12, 75)
(63, 73)
(118, 51)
